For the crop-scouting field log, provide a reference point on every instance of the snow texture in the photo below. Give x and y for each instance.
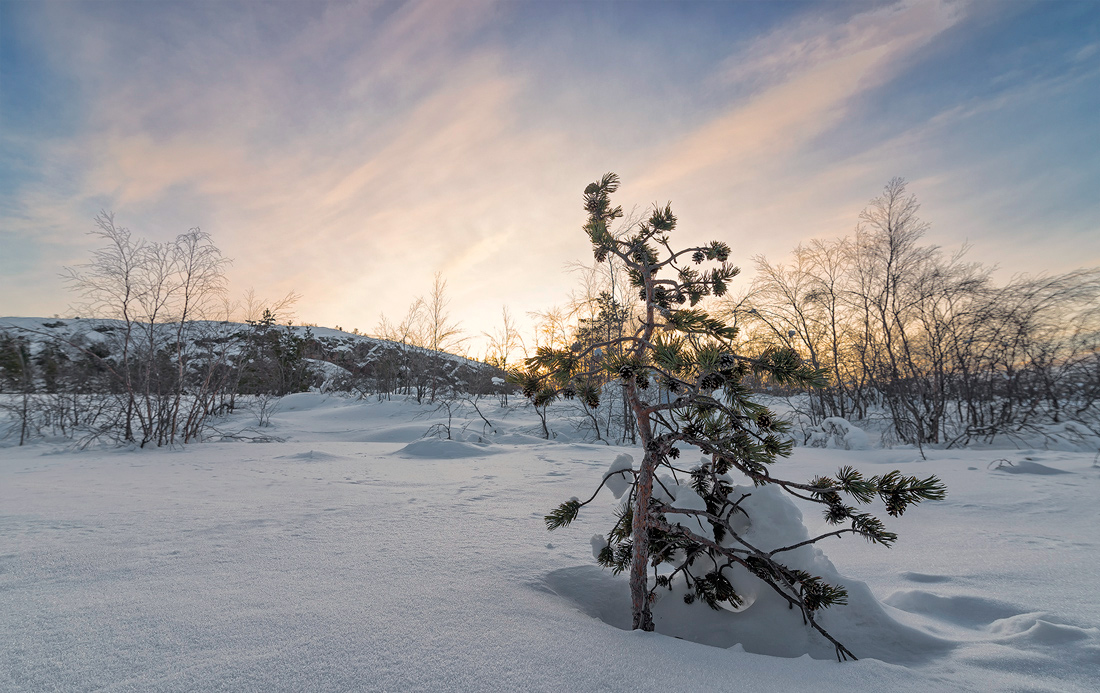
(354, 557)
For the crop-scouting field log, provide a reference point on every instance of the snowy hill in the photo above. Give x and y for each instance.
(333, 354)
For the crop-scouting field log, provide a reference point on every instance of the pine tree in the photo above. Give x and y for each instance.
(683, 379)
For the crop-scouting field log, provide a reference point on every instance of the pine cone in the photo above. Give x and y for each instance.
(710, 381)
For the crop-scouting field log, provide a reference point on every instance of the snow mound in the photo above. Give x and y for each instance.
(962, 610)
(442, 449)
(1028, 467)
(1070, 435)
(835, 432)
(923, 577)
(992, 620)
(764, 624)
(406, 433)
(520, 439)
(303, 401)
(765, 627)
(1041, 629)
(311, 455)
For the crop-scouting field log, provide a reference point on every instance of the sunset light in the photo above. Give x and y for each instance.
(541, 346)
(349, 151)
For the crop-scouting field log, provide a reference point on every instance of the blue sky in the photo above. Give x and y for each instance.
(348, 151)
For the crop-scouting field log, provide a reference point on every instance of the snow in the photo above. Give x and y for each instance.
(340, 559)
(442, 449)
(687, 499)
(1026, 466)
(835, 431)
(618, 480)
(599, 542)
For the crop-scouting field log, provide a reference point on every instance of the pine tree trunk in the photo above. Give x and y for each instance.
(639, 565)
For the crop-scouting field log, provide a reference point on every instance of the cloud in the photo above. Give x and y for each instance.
(349, 151)
(754, 173)
(403, 155)
(803, 79)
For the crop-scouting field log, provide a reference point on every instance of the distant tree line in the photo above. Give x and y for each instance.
(928, 341)
(424, 364)
(923, 345)
(920, 344)
(154, 376)
(153, 370)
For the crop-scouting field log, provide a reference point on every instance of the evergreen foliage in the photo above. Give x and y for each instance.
(275, 358)
(682, 378)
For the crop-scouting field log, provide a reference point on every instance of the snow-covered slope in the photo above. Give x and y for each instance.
(354, 556)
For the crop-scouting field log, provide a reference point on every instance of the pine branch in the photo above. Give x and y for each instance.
(564, 514)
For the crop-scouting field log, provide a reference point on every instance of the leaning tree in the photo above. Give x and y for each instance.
(682, 379)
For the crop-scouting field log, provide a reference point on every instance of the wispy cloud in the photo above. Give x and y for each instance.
(409, 158)
(348, 151)
(802, 80)
(751, 172)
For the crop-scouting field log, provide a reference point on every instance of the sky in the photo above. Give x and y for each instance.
(350, 151)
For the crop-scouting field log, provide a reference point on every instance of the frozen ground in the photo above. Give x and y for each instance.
(345, 559)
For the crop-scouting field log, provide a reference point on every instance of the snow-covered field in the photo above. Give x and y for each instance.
(353, 557)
